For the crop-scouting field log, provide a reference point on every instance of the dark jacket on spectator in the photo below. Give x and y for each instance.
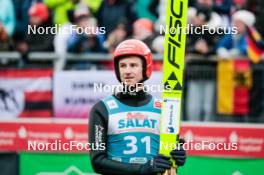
(21, 11)
(223, 6)
(228, 42)
(80, 43)
(207, 37)
(40, 42)
(110, 14)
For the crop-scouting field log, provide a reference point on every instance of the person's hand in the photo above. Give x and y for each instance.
(179, 154)
(158, 164)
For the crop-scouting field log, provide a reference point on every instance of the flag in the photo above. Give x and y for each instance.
(25, 93)
(255, 45)
(233, 84)
(225, 86)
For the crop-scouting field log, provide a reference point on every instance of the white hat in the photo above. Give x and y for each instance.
(158, 44)
(81, 10)
(245, 16)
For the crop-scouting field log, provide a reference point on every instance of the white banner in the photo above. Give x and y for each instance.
(75, 92)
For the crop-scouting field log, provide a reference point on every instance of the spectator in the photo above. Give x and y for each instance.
(215, 18)
(93, 5)
(201, 85)
(158, 47)
(7, 23)
(239, 4)
(223, 8)
(61, 38)
(236, 45)
(37, 40)
(202, 44)
(143, 30)
(22, 17)
(119, 34)
(112, 11)
(161, 21)
(204, 3)
(88, 39)
(62, 9)
(147, 9)
(158, 44)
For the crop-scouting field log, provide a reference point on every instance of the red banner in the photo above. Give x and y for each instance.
(44, 135)
(227, 140)
(212, 139)
(26, 93)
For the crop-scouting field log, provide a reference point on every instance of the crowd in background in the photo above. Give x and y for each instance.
(121, 19)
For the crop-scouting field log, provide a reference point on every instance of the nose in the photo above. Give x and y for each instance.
(128, 70)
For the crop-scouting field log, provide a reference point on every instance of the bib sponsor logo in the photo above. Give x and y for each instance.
(157, 104)
(112, 104)
(136, 120)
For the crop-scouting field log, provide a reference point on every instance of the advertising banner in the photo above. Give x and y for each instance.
(202, 139)
(224, 140)
(75, 92)
(44, 135)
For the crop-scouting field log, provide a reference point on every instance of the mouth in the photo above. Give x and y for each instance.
(129, 78)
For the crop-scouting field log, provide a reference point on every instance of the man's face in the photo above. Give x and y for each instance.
(241, 27)
(34, 20)
(130, 69)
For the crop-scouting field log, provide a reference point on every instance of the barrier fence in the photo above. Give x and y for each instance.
(214, 89)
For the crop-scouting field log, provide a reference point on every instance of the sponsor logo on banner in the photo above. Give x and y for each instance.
(226, 141)
(15, 136)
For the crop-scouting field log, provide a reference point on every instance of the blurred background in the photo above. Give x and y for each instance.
(50, 80)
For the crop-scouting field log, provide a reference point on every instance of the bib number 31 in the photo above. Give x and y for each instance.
(132, 144)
